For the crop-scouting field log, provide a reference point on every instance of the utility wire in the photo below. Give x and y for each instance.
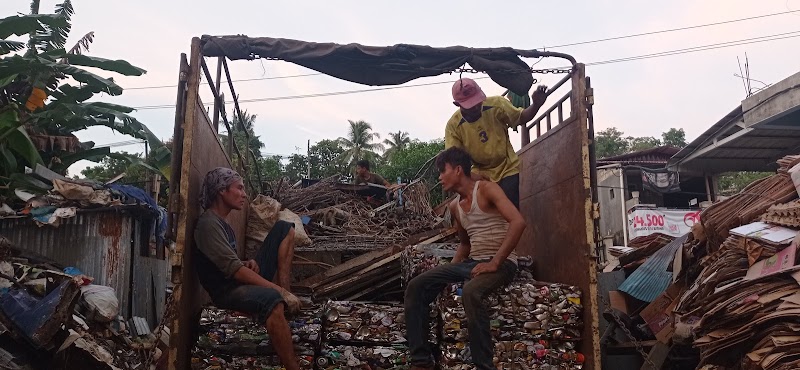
(546, 47)
(694, 49)
(673, 29)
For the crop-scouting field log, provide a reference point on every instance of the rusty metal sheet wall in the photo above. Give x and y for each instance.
(201, 153)
(555, 199)
(148, 281)
(97, 243)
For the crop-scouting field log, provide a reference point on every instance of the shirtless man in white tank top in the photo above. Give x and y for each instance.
(489, 228)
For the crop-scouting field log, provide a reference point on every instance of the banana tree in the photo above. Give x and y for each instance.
(52, 96)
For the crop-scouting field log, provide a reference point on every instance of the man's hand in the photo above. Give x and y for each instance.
(292, 302)
(483, 268)
(539, 96)
(251, 264)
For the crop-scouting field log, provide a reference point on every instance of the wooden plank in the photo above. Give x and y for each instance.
(360, 274)
(346, 268)
(658, 355)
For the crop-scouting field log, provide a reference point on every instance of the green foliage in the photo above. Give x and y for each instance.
(359, 143)
(610, 142)
(111, 167)
(42, 77)
(407, 162)
(733, 182)
(397, 141)
(636, 144)
(674, 137)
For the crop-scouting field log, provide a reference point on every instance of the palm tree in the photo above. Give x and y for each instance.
(254, 143)
(397, 141)
(359, 142)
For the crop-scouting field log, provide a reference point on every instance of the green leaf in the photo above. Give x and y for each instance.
(7, 46)
(119, 66)
(72, 94)
(94, 155)
(19, 142)
(8, 79)
(85, 76)
(19, 180)
(24, 24)
(9, 161)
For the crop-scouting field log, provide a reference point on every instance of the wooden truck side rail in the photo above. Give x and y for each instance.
(556, 199)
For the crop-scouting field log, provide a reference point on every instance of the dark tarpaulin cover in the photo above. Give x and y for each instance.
(372, 65)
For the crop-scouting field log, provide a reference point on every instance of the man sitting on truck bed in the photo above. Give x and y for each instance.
(480, 126)
(244, 286)
(489, 228)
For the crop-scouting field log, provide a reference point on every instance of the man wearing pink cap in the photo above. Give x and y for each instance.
(480, 126)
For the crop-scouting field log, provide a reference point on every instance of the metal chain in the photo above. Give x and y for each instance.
(636, 342)
(539, 71)
(169, 312)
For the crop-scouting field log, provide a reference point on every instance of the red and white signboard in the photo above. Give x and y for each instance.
(674, 222)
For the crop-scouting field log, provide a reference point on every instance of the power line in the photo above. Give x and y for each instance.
(242, 80)
(545, 47)
(317, 95)
(694, 49)
(672, 29)
(753, 40)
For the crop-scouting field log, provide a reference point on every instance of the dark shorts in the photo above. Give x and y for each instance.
(251, 299)
(510, 186)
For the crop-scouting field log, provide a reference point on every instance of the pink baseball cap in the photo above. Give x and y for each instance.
(467, 93)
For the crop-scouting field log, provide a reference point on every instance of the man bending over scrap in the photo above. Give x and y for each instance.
(245, 286)
(489, 228)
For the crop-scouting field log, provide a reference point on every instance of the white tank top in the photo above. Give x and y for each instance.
(486, 230)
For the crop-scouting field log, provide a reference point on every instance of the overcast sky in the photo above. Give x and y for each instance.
(642, 97)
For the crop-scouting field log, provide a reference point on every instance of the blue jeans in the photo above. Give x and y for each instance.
(423, 289)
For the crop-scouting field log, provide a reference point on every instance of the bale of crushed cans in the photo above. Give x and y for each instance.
(514, 355)
(361, 357)
(534, 323)
(231, 340)
(419, 258)
(368, 323)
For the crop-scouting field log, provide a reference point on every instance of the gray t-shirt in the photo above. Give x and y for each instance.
(217, 261)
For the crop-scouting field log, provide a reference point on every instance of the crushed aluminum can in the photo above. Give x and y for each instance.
(416, 259)
(226, 332)
(367, 323)
(512, 355)
(357, 357)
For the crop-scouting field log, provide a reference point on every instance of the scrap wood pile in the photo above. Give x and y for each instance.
(51, 317)
(373, 275)
(334, 212)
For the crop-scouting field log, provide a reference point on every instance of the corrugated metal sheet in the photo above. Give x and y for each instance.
(652, 278)
(104, 245)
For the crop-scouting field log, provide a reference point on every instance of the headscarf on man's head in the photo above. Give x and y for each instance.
(216, 180)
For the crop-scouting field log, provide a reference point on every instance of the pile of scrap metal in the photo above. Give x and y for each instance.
(728, 292)
(352, 217)
(52, 319)
(231, 340)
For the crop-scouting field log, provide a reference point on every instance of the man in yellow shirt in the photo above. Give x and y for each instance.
(480, 126)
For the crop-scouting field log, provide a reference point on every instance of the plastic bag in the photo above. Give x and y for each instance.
(300, 236)
(100, 302)
(261, 218)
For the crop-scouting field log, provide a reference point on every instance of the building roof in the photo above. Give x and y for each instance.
(764, 128)
(653, 156)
